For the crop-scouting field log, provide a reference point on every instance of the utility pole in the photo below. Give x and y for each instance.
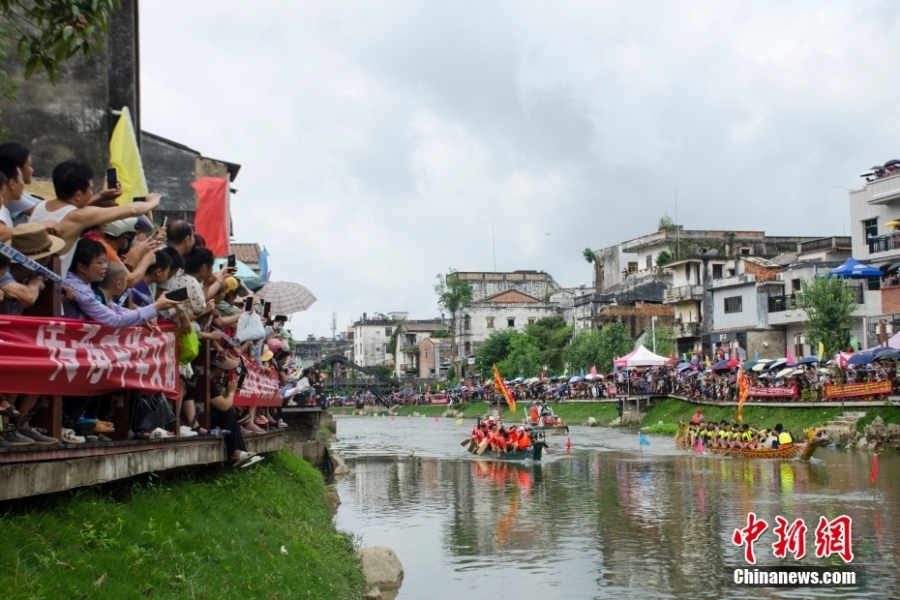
(653, 331)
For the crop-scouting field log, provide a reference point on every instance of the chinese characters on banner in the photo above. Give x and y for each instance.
(77, 358)
(260, 387)
(773, 392)
(831, 537)
(848, 390)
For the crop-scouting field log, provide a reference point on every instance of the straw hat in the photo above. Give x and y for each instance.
(32, 240)
(266, 354)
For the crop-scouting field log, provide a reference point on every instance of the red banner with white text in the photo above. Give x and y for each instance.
(260, 387)
(772, 392)
(67, 357)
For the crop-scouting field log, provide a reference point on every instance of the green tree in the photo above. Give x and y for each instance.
(663, 258)
(440, 334)
(493, 351)
(552, 335)
(525, 358)
(584, 351)
(46, 33)
(614, 342)
(452, 293)
(828, 304)
(665, 340)
(591, 258)
(665, 223)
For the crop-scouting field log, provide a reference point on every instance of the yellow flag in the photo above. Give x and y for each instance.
(821, 352)
(126, 158)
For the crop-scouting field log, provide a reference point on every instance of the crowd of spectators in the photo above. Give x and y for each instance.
(888, 169)
(118, 268)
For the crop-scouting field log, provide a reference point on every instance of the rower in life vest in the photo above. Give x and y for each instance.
(535, 414)
(698, 417)
(784, 437)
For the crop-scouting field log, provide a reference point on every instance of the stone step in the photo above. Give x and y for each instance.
(858, 414)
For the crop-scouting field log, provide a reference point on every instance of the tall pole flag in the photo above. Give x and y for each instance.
(125, 156)
(743, 391)
(213, 218)
(498, 384)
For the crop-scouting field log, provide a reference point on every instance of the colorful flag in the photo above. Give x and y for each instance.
(821, 351)
(264, 264)
(499, 385)
(125, 156)
(213, 218)
(873, 475)
(642, 439)
(743, 392)
(708, 364)
(699, 446)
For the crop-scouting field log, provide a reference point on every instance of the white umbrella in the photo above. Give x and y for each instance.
(286, 297)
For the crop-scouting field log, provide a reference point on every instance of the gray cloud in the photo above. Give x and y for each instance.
(380, 141)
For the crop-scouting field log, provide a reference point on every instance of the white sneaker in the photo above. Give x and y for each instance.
(159, 433)
(187, 431)
(69, 437)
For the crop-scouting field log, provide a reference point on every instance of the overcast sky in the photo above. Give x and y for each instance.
(380, 140)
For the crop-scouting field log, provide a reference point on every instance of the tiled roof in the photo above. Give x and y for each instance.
(246, 253)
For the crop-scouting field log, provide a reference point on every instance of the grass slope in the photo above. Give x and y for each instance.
(793, 419)
(217, 535)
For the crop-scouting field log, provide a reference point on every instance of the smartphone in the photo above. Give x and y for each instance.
(248, 304)
(112, 178)
(232, 261)
(180, 294)
(266, 308)
(241, 378)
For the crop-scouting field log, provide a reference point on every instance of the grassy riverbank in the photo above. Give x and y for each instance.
(211, 534)
(794, 419)
(573, 413)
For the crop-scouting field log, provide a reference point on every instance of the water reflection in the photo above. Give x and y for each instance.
(602, 522)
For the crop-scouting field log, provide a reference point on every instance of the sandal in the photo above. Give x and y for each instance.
(69, 437)
(9, 411)
(195, 427)
(253, 460)
(243, 457)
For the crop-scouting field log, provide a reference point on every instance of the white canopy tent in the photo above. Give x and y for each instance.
(644, 358)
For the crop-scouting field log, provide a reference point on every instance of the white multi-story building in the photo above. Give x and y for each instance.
(371, 335)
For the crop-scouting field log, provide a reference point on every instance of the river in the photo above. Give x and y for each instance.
(610, 520)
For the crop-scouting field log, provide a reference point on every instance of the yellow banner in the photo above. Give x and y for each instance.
(848, 390)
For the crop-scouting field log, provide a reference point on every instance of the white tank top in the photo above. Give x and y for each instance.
(41, 213)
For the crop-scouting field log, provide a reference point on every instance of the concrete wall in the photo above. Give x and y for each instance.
(535, 284)
(861, 210)
(170, 168)
(500, 312)
(71, 119)
(770, 343)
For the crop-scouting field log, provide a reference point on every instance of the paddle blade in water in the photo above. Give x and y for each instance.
(437, 419)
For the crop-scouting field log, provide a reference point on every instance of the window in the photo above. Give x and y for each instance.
(717, 271)
(870, 228)
(734, 304)
(745, 251)
(632, 267)
(490, 322)
(411, 339)
(531, 320)
(467, 323)
(511, 322)
(649, 261)
(388, 331)
(468, 348)
(795, 285)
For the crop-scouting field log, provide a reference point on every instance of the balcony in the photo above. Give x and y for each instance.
(884, 243)
(687, 330)
(882, 191)
(777, 304)
(829, 243)
(683, 293)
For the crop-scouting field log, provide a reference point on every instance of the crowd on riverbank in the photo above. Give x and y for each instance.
(116, 268)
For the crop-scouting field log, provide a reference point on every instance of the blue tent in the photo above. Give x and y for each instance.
(854, 269)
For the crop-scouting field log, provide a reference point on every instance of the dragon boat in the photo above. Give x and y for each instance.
(804, 450)
(551, 429)
(534, 452)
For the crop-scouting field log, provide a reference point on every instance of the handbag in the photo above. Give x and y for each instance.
(250, 328)
(188, 346)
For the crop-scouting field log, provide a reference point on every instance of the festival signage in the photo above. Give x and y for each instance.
(849, 390)
(773, 392)
(260, 387)
(68, 357)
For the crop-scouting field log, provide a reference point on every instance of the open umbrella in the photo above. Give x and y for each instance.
(894, 223)
(775, 364)
(243, 270)
(891, 354)
(784, 372)
(808, 360)
(860, 359)
(575, 379)
(722, 365)
(286, 297)
(749, 364)
(759, 366)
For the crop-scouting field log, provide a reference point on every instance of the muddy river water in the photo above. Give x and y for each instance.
(612, 519)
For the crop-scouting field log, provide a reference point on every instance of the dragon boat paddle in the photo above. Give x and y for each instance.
(481, 448)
